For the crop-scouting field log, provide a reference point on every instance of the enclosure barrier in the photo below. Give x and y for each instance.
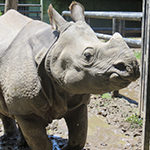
(135, 16)
(27, 12)
(130, 42)
(145, 75)
(118, 22)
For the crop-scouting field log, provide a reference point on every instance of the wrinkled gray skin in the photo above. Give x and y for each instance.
(48, 74)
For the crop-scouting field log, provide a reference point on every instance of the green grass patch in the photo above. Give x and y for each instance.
(0, 13)
(106, 96)
(134, 119)
(137, 55)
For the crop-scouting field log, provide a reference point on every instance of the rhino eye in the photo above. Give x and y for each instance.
(88, 54)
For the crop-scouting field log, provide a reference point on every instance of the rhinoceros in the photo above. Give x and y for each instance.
(48, 72)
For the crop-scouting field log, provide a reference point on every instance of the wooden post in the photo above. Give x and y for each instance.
(11, 4)
(145, 78)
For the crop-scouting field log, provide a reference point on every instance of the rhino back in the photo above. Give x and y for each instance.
(19, 79)
(11, 24)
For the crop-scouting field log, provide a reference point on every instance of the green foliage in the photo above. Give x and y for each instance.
(137, 55)
(0, 13)
(134, 119)
(106, 96)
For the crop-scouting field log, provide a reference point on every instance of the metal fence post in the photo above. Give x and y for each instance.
(143, 53)
(145, 79)
(11, 4)
(41, 9)
(118, 26)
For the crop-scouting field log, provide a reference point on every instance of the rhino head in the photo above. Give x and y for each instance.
(81, 64)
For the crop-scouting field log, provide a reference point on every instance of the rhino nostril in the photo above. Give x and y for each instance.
(120, 66)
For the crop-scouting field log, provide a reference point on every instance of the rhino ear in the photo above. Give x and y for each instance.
(77, 11)
(56, 20)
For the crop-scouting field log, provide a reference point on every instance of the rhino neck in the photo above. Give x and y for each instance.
(60, 101)
(55, 95)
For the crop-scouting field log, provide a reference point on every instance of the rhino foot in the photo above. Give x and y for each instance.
(7, 142)
(72, 148)
(13, 138)
(23, 147)
(5, 138)
(22, 144)
(13, 143)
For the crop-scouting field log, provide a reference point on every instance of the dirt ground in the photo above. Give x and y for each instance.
(113, 122)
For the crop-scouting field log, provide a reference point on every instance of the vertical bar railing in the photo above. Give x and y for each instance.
(118, 26)
(27, 12)
(145, 77)
(41, 9)
(143, 53)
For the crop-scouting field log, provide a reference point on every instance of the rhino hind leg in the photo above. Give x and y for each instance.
(9, 139)
(10, 128)
(12, 135)
(34, 132)
(77, 126)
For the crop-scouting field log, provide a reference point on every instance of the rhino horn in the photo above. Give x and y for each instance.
(56, 20)
(77, 11)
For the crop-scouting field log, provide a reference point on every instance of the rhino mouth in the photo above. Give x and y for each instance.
(125, 73)
(116, 76)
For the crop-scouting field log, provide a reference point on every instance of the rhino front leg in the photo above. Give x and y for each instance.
(77, 125)
(34, 132)
(22, 144)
